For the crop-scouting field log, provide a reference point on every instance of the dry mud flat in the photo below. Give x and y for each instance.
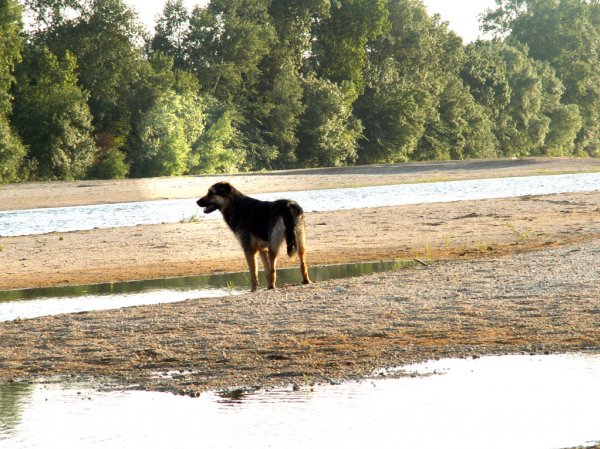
(539, 301)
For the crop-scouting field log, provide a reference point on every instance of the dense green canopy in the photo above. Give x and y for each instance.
(86, 91)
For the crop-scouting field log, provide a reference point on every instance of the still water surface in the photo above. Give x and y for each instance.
(517, 402)
(65, 219)
(36, 302)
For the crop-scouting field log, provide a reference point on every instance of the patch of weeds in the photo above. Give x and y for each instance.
(194, 218)
(521, 235)
(401, 264)
(447, 241)
(426, 254)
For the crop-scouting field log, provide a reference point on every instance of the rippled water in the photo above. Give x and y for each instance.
(541, 402)
(63, 219)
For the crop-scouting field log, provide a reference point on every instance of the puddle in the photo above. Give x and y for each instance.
(529, 402)
(31, 303)
(65, 219)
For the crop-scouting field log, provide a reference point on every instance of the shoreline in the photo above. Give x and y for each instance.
(76, 193)
(329, 331)
(437, 232)
(505, 276)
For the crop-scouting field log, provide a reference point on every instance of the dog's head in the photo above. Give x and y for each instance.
(218, 197)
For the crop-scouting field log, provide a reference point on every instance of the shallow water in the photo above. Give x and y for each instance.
(31, 303)
(529, 402)
(64, 219)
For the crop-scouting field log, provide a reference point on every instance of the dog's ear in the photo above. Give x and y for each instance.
(222, 188)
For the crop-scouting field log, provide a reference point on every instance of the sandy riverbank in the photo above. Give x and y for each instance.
(507, 276)
(434, 231)
(540, 301)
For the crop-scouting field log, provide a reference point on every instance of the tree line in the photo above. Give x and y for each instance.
(87, 92)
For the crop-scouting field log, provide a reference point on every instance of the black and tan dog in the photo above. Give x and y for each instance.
(261, 227)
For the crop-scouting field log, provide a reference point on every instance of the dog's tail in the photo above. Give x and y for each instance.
(292, 219)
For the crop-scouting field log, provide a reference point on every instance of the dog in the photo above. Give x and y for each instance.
(260, 227)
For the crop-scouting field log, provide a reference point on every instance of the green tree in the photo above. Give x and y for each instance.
(394, 112)
(49, 15)
(565, 34)
(170, 32)
(226, 43)
(276, 108)
(408, 70)
(295, 22)
(12, 153)
(168, 131)
(109, 163)
(341, 41)
(108, 42)
(284, 117)
(11, 149)
(10, 49)
(52, 116)
(565, 123)
(460, 128)
(217, 150)
(328, 132)
(518, 93)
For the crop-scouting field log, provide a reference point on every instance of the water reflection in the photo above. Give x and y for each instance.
(30, 303)
(13, 397)
(538, 402)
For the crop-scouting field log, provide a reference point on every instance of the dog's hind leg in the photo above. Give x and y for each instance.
(302, 254)
(303, 266)
(269, 269)
(251, 258)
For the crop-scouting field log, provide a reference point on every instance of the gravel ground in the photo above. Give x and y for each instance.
(534, 302)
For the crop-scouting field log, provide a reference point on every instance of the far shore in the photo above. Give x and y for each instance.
(76, 193)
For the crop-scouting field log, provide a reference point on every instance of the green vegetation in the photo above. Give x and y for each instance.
(236, 85)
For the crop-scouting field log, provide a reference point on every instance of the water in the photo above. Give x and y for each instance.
(64, 219)
(517, 402)
(31, 303)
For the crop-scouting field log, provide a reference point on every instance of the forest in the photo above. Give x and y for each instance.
(86, 92)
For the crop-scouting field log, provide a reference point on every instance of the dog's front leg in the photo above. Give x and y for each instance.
(251, 258)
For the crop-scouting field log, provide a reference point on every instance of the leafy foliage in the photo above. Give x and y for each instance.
(10, 49)
(167, 133)
(328, 133)
(52, 115)
(564, 34)
(12, 153)
(216, 151)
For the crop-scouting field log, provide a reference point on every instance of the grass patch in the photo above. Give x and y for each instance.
(194, 218)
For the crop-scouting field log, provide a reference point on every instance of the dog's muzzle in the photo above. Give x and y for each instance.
(207, 206)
